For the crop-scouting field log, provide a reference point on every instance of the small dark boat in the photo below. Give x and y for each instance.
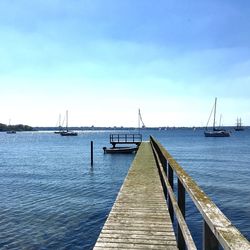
(11, 132)
(239, 129)
(68, 133)
(120, 150)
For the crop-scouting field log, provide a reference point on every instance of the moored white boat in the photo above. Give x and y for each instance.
(120, 150)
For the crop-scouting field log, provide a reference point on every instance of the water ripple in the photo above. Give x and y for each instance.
(51, 198)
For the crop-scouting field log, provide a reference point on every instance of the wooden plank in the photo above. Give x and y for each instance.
(111, 245)
(139, 218)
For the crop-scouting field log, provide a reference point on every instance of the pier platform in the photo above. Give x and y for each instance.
(125, 139)
(139, 218)
(143, 214)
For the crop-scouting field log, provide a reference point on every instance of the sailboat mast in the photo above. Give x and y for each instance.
(139, 120)
(220, 120)
(214, 112)
(67, 120)
(59, 125)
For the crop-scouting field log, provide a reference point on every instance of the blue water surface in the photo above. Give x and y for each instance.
(52, 198)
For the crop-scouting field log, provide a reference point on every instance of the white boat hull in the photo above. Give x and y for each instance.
(120, 150)
(219, 133)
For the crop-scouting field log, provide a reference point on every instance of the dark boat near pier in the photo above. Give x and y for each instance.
(120, 150)
(127, 139)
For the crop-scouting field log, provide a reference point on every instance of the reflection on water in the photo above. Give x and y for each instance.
(51, 197)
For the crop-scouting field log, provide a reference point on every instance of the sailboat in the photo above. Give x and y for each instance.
(59, 126)
(239, 125)
(67, 132)
(216, 132)
(10, 131)
(140, 121)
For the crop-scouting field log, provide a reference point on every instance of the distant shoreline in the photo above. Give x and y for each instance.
(123, 128)
(21, 127)
(18, 128)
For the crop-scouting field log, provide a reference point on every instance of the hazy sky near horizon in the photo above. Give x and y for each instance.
(104, 59)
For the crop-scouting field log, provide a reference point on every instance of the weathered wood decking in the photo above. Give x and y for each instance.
(139, 218)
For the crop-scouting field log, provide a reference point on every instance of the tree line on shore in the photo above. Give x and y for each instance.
(18, 127)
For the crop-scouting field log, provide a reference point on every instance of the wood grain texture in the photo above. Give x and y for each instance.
(139, 218)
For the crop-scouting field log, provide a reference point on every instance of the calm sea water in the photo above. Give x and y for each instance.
(51, 197)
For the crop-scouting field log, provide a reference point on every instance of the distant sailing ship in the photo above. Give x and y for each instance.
(216, 132)
(67, 132)
(239, 125)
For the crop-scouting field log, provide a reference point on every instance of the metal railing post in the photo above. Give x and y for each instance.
(181, 204)
(209, 240)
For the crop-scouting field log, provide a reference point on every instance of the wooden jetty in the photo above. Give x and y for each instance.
(146, 206)
(139, 218)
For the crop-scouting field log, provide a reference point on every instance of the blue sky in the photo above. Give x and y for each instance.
(104, 59)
